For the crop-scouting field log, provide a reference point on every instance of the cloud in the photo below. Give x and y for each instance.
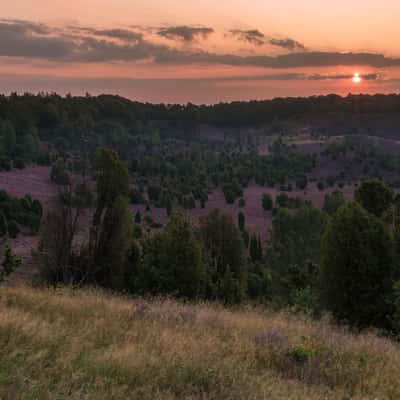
(185, 33)
(290, 76)
(257, 38)
(30, 40)
(285, 61)
(27, 39)
(121, 34)
(18, 25)
(252, 36)
(288, 44)
(366, 77)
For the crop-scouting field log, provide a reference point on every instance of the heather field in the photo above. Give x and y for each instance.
(35, 181)
(69, 344)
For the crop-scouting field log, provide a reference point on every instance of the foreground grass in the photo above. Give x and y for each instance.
(64, 344)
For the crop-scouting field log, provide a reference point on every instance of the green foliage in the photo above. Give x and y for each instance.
(137, 231)
(138, 217)
(259, 282)
(255, 248)
(246, 238)
(300, 353)
(301, 182)
(136, 197)
(330, 181)
(267, 202)
(232, 191)
(114, 240)
(112, 179)
(225, 256)
(154, 193)
(82, 196)
(19, 163)
(396, 210)
(294, 252)
(374, 196)
(59, 174)
(30, 146)
(305, 300)
(396, 305)
(241, 221)
(333, 201)
(17, 213)
(169, 206)
(148, 219)
(8, 137)
(3, 225)
(112, 228)
(188, 202)
(172, 262)
(9, 264)
(356, 267)
(5, 164)
(282, 200)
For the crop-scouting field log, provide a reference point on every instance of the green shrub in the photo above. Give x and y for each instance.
(333, 201)
(3, 225)
(13, 229)
(137, 231)
(136, 197)
(374, 196)
(19, 163)
(188, 202)
(267, 202)
(5, 164)
(300, 353)
(9, 264)
(357, 265)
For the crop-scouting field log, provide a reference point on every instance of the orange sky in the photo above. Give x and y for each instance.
(200, 51)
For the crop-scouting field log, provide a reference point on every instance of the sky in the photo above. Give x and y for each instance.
(203, 51)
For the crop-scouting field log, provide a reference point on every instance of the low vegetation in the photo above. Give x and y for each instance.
(19, 214)
(86, 344)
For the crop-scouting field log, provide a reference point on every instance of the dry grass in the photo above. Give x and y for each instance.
(64, 344)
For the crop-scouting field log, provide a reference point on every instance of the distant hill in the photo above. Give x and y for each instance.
(49, 111)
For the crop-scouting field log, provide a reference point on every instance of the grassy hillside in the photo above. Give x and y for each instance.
(59, 344)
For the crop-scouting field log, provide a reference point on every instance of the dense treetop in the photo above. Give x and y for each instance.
(49, 110)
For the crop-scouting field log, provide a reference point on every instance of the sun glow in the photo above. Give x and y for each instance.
(356, 78)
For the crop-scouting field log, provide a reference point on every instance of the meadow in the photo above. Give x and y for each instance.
(89, 344)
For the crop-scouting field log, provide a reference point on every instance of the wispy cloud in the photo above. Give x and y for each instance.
(252, 36)
(116, 33)
(288, 44)
(319, 77)
(185, 33)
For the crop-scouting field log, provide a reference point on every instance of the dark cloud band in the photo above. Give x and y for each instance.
(29, 40)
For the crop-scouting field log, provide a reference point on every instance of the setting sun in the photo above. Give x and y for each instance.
(356, 78)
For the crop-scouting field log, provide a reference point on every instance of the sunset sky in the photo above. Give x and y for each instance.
(202, 51)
